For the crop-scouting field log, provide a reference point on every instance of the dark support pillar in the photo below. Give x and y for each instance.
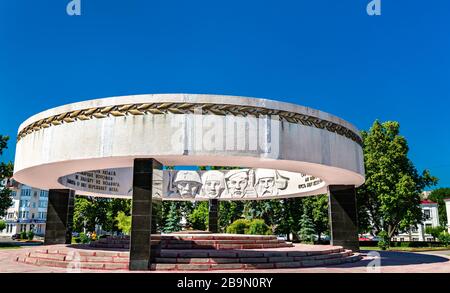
(141, 213)
(213, 225)
(343, 216)
(58, 229)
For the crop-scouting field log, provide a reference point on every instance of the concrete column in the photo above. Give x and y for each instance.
(343, 216)
(59, 216)
(213, 220)
(143, 221)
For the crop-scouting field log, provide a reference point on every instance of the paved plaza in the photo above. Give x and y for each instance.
(390, 262)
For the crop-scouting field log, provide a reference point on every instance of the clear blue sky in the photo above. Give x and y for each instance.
(328, 55)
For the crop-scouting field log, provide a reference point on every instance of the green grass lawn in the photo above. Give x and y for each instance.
(407, 249)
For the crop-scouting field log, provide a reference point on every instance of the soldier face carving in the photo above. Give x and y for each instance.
(237, 184)
(213, 183)
(187, 188)
(188, 183)
(265, 186)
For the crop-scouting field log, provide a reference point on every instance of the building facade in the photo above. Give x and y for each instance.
(28, 211)
(431, 219)
(447, 209)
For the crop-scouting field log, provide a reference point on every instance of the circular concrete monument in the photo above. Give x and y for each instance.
(118, 147)
(68, 145)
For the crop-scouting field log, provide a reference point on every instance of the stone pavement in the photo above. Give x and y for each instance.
(391, 262)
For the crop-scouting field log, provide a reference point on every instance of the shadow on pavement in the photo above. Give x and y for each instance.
(393, 258)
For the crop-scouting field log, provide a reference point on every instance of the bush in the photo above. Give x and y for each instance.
(2, 225)
(23, 235)
(239, 226)
(434, 231)
(30, 235)
(123, 222)
(258, 227)
(444, 238)
(83, 238)
(384, 242)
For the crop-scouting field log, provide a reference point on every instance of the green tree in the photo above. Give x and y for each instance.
(6, 170)
(172, 219)
(123, 222)
(229, 211)
(306, 232)
(2, 225)
(268, 210)
(434, 231)
(114, 206)
(438, 195)
(89, 212)
(390, 198)
(317, 209)
(444, 238)
(199, 218)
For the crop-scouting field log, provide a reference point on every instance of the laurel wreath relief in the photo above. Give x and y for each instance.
(186, 108)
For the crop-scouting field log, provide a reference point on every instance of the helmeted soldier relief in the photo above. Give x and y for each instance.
(188, 184)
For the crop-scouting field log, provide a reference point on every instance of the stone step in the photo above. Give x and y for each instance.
(214, 260)
(208, 253)
(249, 266)
(190, 259)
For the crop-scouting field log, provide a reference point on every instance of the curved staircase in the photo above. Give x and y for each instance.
(199, 252)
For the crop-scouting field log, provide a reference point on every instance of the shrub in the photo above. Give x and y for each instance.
(239, 226)
(258, 227)
(30, 235)
(123, 222)
(384, 242)
(23, 235)
(83, 238)
(444, 238)
(434, 231)
(2, 225)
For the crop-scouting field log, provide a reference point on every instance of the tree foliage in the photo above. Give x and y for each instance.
(307, 231)
(2, 225)
(438, 195)
(172, 217)
(6, 170)
(316, 207)
(123, 222)
(199, 218)
(390, 198)
(92, 211)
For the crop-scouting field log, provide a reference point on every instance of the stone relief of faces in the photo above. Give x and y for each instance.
(187, 183)
(237, 183)
(268, 182)
(213, 184)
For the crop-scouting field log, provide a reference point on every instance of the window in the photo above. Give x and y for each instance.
(34, 205)
(43, 193)
(415, 239)
(42, 203)
(427, 214)
(25, 192)
(402, 239)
